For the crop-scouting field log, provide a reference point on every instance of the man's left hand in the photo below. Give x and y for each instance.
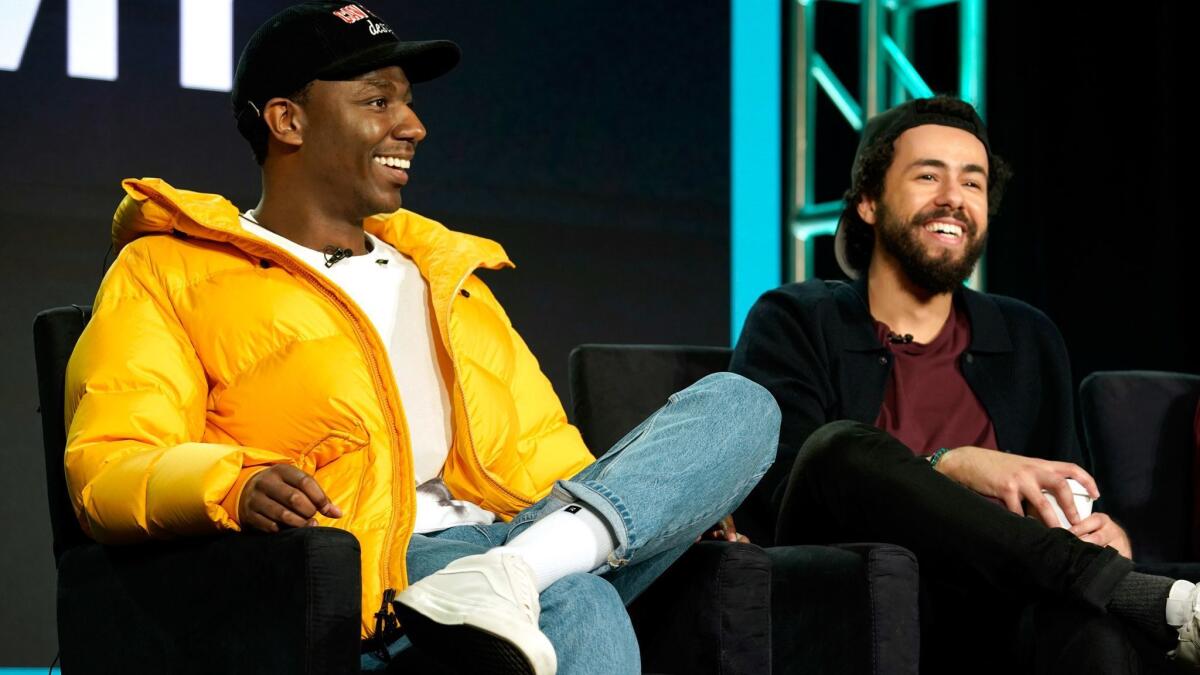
(1101, 530)
(725, 530)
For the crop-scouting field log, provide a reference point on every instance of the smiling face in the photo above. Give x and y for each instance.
(931, 220)
(359, 139)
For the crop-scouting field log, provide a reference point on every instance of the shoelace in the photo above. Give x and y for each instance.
(387, 625)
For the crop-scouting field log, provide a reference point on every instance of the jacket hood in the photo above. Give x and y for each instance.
(153, 206)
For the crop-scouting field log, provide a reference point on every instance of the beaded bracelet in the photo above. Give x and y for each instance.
(937, 457)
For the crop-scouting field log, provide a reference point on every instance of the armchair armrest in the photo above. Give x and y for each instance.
(1139, 431)
(848, 608)
(710, 612)
(250, 603)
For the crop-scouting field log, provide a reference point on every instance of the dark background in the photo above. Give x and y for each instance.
(592, 140)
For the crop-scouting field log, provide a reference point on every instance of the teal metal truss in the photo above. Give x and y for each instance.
(887, 78)
(756, 238)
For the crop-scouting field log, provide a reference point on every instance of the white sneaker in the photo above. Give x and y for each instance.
(1188, 651)
(479, 614)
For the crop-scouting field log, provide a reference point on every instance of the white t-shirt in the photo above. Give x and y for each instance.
(389, 288)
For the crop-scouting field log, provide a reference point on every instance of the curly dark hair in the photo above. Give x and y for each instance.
(252, 127)
(871, 165)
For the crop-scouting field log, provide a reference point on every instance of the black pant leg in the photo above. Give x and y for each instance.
(1062, 638)
(984, 632)
(854, 482)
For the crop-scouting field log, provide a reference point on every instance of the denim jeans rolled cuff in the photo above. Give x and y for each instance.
(609, 506)
(601, 501)
(630, 544)
(1095, 585)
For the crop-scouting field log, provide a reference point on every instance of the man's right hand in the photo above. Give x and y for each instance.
(1016, 478)
(283, 496)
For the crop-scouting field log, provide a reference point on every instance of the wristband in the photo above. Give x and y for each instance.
(937, 457)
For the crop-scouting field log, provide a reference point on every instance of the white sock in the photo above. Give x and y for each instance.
(572, 539)
(1178, 609)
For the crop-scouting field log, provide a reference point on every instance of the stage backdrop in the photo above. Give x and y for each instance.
(591, 139)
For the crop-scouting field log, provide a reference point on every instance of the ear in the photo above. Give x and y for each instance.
(285, 121)
(866, 210)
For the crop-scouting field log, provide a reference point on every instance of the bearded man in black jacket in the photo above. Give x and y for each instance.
(922, 413)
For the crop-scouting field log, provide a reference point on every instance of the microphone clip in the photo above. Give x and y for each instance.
(897, 339)
(335, 253)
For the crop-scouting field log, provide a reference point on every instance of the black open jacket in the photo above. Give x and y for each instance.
(813, 345)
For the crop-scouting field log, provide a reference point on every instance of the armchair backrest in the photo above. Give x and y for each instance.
(1138, 429)
(615, 387)
(55, 332)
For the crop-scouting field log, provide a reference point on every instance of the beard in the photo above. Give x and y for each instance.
(935, 274)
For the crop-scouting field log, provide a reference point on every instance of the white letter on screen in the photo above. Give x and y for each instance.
(14, 31)
(92, 39)
(206, 44)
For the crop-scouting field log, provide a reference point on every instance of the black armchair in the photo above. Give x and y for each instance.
(790, 609)
(1139, 435)
(175, 607)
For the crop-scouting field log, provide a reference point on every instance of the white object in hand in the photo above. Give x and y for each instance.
(1083, 502)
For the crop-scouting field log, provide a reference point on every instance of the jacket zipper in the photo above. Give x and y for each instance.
(381, 391)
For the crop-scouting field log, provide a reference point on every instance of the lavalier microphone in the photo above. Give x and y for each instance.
(335, 253)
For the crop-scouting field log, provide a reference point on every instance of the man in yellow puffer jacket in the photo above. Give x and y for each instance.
(309, 363)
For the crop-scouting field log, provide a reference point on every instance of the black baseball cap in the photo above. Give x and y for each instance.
(328, 41)
(886, 127)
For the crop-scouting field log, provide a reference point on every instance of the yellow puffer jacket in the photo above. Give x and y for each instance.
(212, 354)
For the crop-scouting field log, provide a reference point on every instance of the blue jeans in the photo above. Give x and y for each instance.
(689, 464)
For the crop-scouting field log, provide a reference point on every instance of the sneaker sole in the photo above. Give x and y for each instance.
(465, 648)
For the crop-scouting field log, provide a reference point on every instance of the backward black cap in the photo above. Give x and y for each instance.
(327, 41)
(886, 127)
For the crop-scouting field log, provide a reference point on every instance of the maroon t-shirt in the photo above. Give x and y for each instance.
(927, 403)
